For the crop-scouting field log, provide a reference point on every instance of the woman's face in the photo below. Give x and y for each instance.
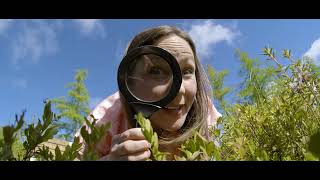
(173, 118)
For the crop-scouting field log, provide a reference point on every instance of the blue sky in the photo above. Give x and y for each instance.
(39, 57)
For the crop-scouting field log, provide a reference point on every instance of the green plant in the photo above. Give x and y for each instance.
(92, 136)
(195, 148)
(43, 130)
(9, 134)
(199, 148)
(151, 137)
(277, 113)
(34, 134)
(73, 108)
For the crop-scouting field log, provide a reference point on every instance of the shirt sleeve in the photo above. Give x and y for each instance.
(109, 110)
(213, 114)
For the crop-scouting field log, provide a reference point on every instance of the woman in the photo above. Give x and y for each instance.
(191, 109)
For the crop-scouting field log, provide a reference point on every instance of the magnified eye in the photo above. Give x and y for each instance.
(158, 73)
(155, 71)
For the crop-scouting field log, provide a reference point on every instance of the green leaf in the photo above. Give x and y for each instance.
(310, 157)
(155, 141)
(8, 134)
(188, 154)
(195, 155)
(85, 135)
(151, 137)
(58, 154)
(210, 148)
(20, 122)
(49, 133)
(76, 145)
(314, 144)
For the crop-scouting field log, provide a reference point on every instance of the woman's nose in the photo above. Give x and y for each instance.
(182, 89)
(180, 98)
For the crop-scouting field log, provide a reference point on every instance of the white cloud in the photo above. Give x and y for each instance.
(36, 39)
(33, 40)
(207, 34)
(314, 51)
(4, 25)
(20, 83)
(94, 102)
(90, 27)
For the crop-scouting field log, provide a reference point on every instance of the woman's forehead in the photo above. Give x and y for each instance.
(177, 46)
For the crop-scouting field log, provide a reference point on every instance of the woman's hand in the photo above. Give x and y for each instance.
(129, 146)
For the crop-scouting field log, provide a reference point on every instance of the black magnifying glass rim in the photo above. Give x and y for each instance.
(143, 50)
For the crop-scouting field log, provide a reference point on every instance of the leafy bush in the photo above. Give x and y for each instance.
(45, 129)
(277, 113)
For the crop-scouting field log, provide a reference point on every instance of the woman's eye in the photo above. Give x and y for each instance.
(188, 71)
(155, 71)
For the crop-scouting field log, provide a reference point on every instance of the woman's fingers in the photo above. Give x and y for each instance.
(139, 156)
(130, 147)
(130, 134)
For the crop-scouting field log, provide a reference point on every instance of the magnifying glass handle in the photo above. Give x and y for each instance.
(146, 109)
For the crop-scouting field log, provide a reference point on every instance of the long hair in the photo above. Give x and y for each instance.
(197, 115)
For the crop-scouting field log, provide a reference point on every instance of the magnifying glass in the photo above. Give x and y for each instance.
(149, 78)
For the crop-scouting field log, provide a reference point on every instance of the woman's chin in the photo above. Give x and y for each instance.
(173, 127)
(170, 125)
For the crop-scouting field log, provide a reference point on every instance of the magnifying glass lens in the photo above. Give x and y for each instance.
(149, 78)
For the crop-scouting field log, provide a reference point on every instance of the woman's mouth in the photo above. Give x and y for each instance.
(174, 110)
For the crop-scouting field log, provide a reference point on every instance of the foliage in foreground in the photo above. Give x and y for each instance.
(277, 111)
(45, 129)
